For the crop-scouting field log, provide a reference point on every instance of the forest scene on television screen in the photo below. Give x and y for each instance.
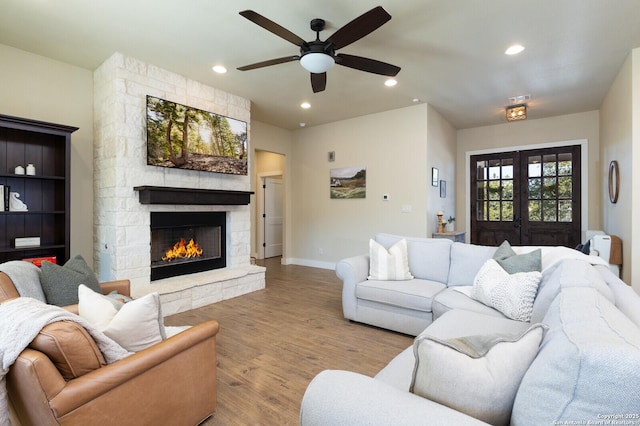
(188, 138)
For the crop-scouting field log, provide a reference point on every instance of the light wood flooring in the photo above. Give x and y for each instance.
(274, 341)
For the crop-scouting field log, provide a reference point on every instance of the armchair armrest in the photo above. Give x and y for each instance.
(119, 286)
(345, 398)
(351, 271)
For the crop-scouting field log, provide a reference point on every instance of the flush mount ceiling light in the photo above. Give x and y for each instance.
(390, 82)
(219, 69)
(305, 105)
(514, 50)
(516, 112)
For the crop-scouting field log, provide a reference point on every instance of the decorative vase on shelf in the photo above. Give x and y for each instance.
(19, 170)
(31, 170)
(450, 227)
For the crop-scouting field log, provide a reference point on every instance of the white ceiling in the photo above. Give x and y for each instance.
(451, 51)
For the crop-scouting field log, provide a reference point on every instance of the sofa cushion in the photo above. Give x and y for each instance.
(514, 263)
(466, 261)
(60, 283)
(477, 375)
(624, 296)
(588, 365)
(135, 326)
(510, 293)
(389, 264)
(70, 348)
(428, 257)
(452, 299)
(567, 273)
(414, 294)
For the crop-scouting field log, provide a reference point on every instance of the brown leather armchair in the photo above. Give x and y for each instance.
(62, 378)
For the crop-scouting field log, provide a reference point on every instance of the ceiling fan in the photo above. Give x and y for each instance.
(318, 56)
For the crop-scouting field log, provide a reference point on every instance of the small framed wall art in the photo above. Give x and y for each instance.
(443, 189)
(434, 176)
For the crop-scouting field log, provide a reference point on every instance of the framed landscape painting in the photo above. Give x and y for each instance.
(348, 182)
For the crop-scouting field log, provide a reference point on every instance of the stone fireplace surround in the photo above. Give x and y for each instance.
(122, 222)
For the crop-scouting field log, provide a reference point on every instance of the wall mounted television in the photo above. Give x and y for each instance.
(183, 137)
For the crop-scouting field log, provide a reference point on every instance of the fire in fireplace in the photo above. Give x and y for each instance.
(186, 242)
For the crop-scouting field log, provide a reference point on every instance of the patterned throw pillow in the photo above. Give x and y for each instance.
(477, 375)
(511, 294)
(389, 265)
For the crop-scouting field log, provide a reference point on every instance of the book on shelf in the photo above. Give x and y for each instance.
(5, 197)
(1, 198)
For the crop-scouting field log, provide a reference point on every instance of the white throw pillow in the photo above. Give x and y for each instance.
(511, 294)
(392, 264)
(135, 325)
(477, 375)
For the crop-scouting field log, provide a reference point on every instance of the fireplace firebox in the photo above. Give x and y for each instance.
(187, 242)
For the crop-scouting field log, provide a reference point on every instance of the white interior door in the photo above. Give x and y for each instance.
(272, 217)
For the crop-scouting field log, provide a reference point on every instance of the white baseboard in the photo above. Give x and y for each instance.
(308, 262)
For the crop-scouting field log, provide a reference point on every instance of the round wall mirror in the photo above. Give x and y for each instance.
(614, 181)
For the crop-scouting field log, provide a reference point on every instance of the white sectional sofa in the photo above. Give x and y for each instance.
(584, 368)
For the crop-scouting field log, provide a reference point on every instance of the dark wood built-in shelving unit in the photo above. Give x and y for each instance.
(47, 193)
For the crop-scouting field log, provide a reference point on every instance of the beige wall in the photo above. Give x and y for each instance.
(393, 147)
(620, 136)
(266, 139)
(529, 134)
(39, 88)
(441, 153)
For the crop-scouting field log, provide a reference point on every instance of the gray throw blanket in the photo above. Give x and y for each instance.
(26, 278)
(21, 320)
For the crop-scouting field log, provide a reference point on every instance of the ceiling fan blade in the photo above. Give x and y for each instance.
(271, 26)
(366, 64)
(359, 27)
(318, 82)
(269, 62)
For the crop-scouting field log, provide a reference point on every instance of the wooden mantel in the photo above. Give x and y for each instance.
(210, 197)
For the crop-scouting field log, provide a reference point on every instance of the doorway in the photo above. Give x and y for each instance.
(272, 216)
(529, 197)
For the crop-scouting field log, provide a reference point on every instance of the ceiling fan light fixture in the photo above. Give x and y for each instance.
(317, 63)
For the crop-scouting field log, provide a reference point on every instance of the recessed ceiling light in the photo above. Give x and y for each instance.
(305, 105)
(416, 100)
(390, 82)
(514, 50)
(219, 69)
(303, 124)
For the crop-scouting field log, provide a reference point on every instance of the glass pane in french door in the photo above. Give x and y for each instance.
(494, 190)
(550, 187)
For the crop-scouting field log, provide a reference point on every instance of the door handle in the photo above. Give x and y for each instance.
(517, 221)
